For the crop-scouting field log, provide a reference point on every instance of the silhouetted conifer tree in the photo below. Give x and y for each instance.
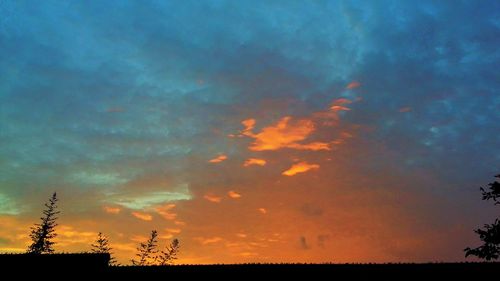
(146, 252)
(43, 233)
(169, 255)
(490, 235)
(101, 246)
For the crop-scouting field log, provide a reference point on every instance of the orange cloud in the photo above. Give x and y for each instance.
(283, 134)
(405, 109)
(234, 194)
(213, 198)
(166, 236)
(206, 241)
(254, 161)
(241, 235)
(173, 230)
(166, 211)
(314, 146)
(353, 85)
(112, 210)
(67, 235)
(249, 125)
(262, 210)
(218, 159)
(300, 167)
(339, 104)
(142, 216)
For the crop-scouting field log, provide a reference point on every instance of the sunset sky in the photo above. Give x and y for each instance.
(252, 131)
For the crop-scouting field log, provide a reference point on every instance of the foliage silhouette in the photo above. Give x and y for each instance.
(169, 255)
(146, 252)
(43, 233)
(101, 246)
(490, 235)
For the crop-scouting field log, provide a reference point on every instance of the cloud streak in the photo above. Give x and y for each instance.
(300, 167)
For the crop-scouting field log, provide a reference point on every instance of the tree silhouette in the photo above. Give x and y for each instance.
(490, 235)
(43, 233)
(101, 246)
(170, 254)
(146, 252)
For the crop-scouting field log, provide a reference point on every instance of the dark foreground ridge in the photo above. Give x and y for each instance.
(89, 263)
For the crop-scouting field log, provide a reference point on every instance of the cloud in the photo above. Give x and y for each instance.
(68, 235)
(241, 235)
(339, 105)
(112, 210)
(166, 211)
(300, 167)
(290, 132)
(249, 124)
(405, 109)
(254, 161)
(97, 178)
(234, 194)
(284, 134)
(8, 206)
(207, 241)
(149, 199)
(353, 85)
(173, 230)
(262, 210)
(218, 159)
(213, 198)
(142, 216)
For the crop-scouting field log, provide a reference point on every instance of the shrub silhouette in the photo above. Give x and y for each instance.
(101, 246)
(146, 252)
(490, 235)
(169, 255)
(43, 233)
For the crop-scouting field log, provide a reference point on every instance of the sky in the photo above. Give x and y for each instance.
(252, 131)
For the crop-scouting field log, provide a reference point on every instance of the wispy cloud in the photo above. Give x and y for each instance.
(142, 216)
(254, 161)
(144, 200)
(234, 194)
(210, 240)
(300, 167)
(112, 210)
(213, 198)
(166, 211)
(218, 159)
(353, 85)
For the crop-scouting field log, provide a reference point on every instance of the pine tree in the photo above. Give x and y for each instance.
(101, 246)
(146, 252)
(43, 233)
(170, 254)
